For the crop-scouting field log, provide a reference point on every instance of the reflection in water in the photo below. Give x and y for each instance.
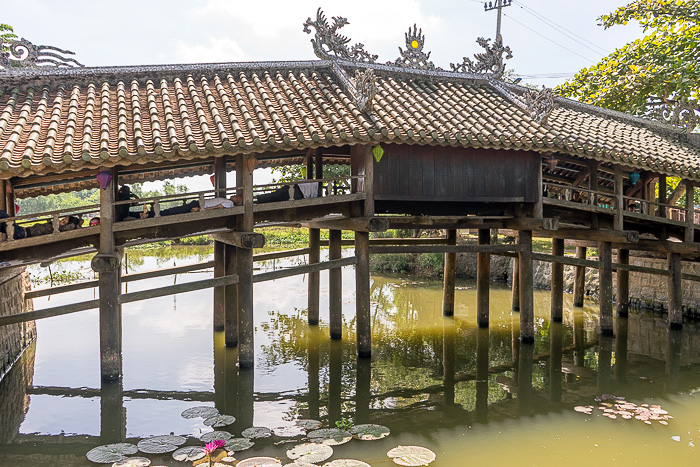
(435, 381)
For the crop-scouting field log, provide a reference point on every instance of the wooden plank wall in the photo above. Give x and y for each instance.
(422, 173)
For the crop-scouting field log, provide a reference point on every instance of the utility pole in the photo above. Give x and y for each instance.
(497, 5)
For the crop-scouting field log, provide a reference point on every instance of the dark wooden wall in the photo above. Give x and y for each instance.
(427, 173)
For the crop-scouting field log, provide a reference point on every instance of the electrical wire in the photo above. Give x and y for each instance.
(571, 35)
(550, 40)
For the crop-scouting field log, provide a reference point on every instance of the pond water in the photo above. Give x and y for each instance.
(472, 396)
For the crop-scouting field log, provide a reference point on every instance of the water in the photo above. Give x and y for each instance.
(472, 396)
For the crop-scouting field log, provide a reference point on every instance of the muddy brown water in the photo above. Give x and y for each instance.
(474, 397)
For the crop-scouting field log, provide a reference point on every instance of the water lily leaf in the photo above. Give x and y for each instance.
(199, 411)
(370, 432)
(346, 463)
(109, 453)
(310, 452)
(259, 462)
(297, 463)
(257, 432)
(309, 424)
(238, 444)
(214, 435)
(189, 454)
(411, 455)
(133, 462)
(219, 420)
(289, 431)
(330, 436)
(160, 444)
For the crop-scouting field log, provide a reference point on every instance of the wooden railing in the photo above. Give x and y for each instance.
(13, 224)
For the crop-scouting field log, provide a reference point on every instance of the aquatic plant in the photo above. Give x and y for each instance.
(209, 448)
(344, 423)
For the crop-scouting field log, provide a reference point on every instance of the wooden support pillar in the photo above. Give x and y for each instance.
(449, 271)
(313, 344)
(482, 375)
(605, 287)
(623, 284)
(557, 309)
(107, 263)
(3, 199)
(483, 276)
(689, 211)
(246, 348)
(363, 390)
(364, 331)
(309, 159)
(335, 286)
(538, 210)
(335, 381)
(555, 359)
(527, 323)
(10, 197)
(621, 336)
(661, 210)
(219, 250)
(593, 185)
(515, 286)
(314, 277)
(318, 160)
(675, 295)
(448, 359)
(362, 155)
(579, 277)
(619, 199)
(230, 261)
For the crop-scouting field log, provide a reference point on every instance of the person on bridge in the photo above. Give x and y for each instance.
(193, 206)
(301, 191)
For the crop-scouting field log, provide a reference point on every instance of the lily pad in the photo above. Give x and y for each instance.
(199, 411)
(110, 453)
(133, 462)
(219, 420)
(346, 463)
(189, 454)
(369, 432)
(238, 444)
(310, 452)
(259, 462)
(411, 455)
(330, 436)
(214, 435)
(257, 432)
(289, 431)
(309, 424)
(160, 444)
(296, 463)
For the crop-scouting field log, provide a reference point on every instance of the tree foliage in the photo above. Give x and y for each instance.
(6, 32)
(656, 76)
(290, 173)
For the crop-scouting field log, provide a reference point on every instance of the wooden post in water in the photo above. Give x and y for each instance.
(689, 211)
(482, 375)
(449, 271)
(483, 276)
(623, 284)
(335, 286)
(527, 323)
(107, 263)
(579, 277)
(675, 293)
(364, 331)
(557, 308)
(515, 286)
(314, 277)
(230, 297)
(605, 287)
(246, 348)
(219, 250)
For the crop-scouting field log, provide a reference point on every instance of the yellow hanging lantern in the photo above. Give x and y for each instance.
(378, 152)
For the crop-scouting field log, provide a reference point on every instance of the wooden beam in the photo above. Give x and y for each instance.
(219, 292)
(689, 210)
(356, 224)
(579, 278)
(527, 323)
(619, 220)
(230, 297)
(179, 288)
(661, 210)
(605, 297)
(48, 312)
(362, 295)
(247, 240)
(600, 235)
(449, 272)
(557, 307)
(675, 292)
(483, 277)
(529, 223)
(335, 286)
(314, 285)
(444, 249)
(515, 285)
(623, 283)
(582, 175)
(305, 269)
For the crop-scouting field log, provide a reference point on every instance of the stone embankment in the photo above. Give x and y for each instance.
(14, 338)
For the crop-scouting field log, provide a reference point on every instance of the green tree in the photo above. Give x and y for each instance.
(656, 76)
(290, 173)
(6, 32)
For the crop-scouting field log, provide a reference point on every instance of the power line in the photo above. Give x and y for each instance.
(571, 35)
(550, 40)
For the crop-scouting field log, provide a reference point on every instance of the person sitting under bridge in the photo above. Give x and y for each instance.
(301, 191)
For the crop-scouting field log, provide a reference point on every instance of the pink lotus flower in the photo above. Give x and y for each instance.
(214, 445)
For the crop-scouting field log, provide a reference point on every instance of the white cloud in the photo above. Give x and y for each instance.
(214, 49)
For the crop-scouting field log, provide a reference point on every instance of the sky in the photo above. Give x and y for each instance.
(550, 40)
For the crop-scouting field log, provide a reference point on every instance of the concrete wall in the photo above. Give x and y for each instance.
(15, 337)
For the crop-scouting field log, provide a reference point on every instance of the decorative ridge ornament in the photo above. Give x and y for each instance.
(540, 103)
(365, 83)
(23, 54)
(679, 113)
(414, 57)
(489, 62)
(329, 44)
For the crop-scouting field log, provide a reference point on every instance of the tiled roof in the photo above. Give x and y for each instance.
(82, 119)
